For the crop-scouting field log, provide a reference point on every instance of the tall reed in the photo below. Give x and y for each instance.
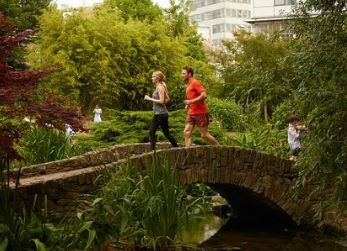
(148, 209)
(40, 145)
(18, 230)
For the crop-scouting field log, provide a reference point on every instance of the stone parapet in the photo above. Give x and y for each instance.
(93, 158)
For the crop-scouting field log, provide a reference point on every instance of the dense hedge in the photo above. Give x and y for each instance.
(133, 127)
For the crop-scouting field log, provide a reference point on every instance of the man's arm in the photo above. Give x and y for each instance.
(199, 98)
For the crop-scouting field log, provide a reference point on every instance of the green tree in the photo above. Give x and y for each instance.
(139, 9)
(251, 71)
(319, 58)
(23, 13)
(177, 21)
(99, 58)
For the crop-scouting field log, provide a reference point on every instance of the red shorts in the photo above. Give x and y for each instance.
(200, 120)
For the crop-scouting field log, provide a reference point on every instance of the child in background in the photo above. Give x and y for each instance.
(295, 134)
(69, 132)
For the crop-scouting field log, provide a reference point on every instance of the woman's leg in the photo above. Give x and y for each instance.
(164, 124)
(152, 129)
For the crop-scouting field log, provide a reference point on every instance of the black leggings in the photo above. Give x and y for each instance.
(161, 120)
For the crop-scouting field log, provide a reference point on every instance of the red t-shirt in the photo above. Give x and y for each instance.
(193, 90)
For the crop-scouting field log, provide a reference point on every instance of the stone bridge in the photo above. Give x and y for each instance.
(259, 187)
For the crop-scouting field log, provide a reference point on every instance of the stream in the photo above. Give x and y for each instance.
(215, 233)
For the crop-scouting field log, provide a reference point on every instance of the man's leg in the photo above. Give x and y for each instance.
(188, 129)
(208, 137)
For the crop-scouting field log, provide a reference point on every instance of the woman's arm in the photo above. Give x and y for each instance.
(161, 92)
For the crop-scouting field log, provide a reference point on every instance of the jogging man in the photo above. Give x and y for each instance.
(197, 113)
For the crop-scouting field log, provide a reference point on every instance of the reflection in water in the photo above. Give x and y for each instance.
(199, 231)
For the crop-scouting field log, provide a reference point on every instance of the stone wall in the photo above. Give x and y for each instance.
(93, 158)
(62, 182)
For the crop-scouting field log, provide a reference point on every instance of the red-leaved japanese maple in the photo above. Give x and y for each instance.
(20, 97)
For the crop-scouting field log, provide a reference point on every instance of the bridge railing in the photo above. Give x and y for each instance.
(92, 158)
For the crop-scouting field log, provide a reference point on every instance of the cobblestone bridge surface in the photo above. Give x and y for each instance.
(258, 186)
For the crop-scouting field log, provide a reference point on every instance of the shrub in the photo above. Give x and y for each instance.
(133, 127)
(39, 145)
(143, 209)
(227, 112)
(19, 230)
(264, 138)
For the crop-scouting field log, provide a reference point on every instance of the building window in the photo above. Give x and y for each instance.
(195, 4)
(195, 18)
(239, 1)
(218, 28)
(284, 2)
(217, 42)
(238, 13)
(231, 27)
(269, 26)
(213, 14)
(210, 2)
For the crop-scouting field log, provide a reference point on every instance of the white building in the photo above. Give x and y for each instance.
(217, 19)
(270, 14)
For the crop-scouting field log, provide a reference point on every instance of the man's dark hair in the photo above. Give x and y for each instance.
(189, 70)
(292, 118)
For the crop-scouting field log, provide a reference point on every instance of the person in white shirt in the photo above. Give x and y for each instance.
(295, 133)
(69, 132)
(97, 114)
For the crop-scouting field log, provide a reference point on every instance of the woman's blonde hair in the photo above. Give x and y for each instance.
(160, 75)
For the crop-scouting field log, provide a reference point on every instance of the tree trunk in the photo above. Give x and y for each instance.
(266, 115)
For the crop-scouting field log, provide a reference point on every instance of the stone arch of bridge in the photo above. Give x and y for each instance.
(258, 186)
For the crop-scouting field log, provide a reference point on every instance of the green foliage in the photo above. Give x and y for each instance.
(228, 113)
(124, 53)
(264, 139)
(143, 209)
(18, 229)
(125, 127)
(23, 13)
(86, 143)
(251, 70)
(140, 9)
(72, 233)
(40, 145)
(133, 127)
(200, 190)
(177, 95)
(99, 58)
(177, 21)
(282, 112)
(319, 59)
(305, 75)
(23, 230)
